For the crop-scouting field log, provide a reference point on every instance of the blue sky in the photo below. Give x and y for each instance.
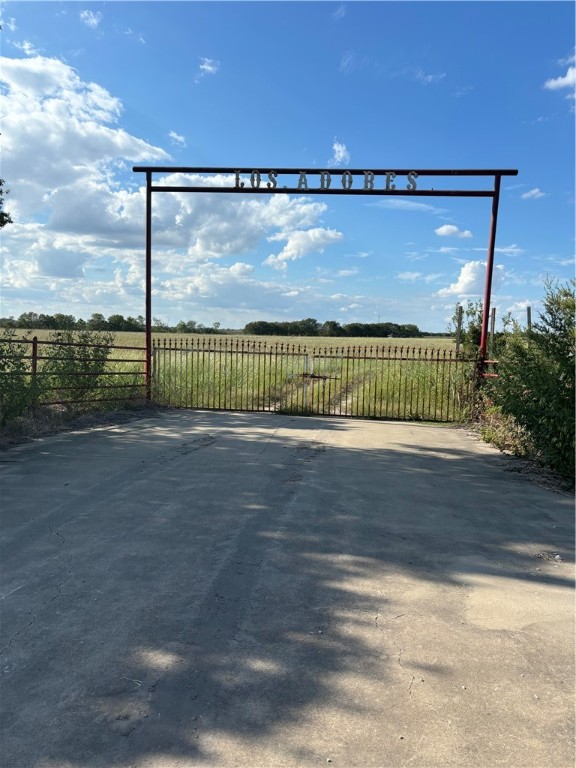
(90, 89)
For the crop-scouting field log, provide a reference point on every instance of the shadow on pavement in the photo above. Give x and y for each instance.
(237, 581)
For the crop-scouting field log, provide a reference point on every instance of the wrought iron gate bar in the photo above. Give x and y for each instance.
(353, 171)
(315, 191)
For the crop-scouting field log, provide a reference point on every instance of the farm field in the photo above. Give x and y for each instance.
(136, 339)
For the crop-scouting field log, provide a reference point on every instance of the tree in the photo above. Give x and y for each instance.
(64, 322)
(5, 217)
(331, 328)
(117, 323)
(97, 322)
(308, 327)
(28, 320)
(471, 332)
(135, 323)
(159, 326)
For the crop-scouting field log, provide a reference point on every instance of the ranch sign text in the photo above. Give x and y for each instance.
(367, 181)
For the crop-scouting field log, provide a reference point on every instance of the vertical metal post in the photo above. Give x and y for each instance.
(305, 383)
(34, 370)
(148, 285)
(492, 328)
(528, 319)
(490, 266)
(459, 311)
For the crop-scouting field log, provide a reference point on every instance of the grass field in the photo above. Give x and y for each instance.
(132, 338)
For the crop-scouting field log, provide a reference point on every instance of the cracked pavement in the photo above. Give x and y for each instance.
(223, 589)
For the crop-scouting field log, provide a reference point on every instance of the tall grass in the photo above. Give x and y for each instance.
(361, 382)
(136, 338)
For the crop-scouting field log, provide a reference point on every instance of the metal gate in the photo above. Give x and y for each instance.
(378, 381)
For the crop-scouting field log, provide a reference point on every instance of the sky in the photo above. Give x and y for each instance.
(90, 89)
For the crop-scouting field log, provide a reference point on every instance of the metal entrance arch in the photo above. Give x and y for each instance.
(331, 181)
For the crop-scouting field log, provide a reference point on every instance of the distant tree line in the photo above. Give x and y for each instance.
(306, 327)
(311, 327)
(97, 322)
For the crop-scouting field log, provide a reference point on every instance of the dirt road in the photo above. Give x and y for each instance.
(205, 589)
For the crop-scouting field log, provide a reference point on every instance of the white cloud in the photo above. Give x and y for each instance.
(347, 272)
(129, 32)
(415, 256)
(177, 139)
(413, 276)
(449, 230)
(566, 81)
(470, 281)
(339, 13)
(91, 19)
(340, 155)
(461, 91)
(77, 244)
(533, 194)
(299, 243)
(348, 62)
(26, 47)
(518, 306)
(421, 77)
(570, 59)
(509, 250)
(9, 24)
(407, 205)
(207, 67)
(64, 122)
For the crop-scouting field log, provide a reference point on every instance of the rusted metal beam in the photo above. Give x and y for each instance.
(315, 191)
(148, 284)
(489, 268)
(353, 171)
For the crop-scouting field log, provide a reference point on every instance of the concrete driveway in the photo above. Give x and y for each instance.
(213, 589)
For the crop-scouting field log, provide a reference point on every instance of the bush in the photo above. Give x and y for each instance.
(17, 389)
(500, 429)
(76, 372)
(536, 386)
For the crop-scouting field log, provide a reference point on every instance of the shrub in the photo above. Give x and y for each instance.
(500, 429)
(537, 379)
(76, 372)
(17, 389)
